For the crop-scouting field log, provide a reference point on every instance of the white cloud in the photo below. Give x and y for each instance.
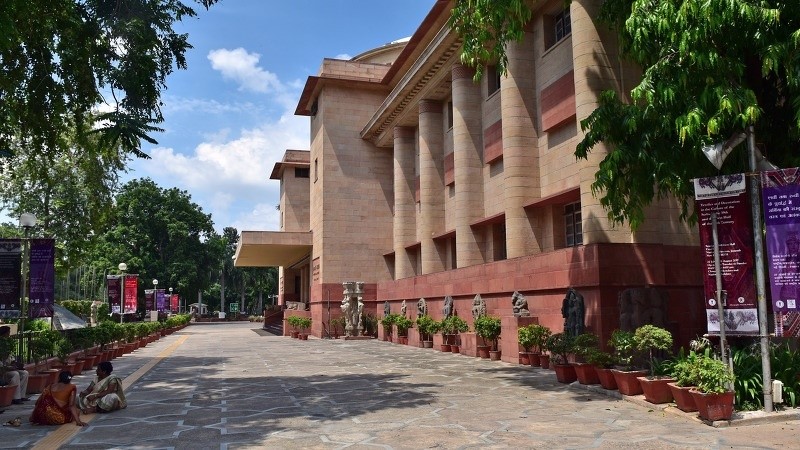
(242, 67)
(344, 56)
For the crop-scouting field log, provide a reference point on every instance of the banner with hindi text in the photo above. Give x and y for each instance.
(10, 277)
(42, 278)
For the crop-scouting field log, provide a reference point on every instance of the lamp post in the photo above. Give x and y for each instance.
(155, 297)
(170, 299)
(26, 221)
(122, 268)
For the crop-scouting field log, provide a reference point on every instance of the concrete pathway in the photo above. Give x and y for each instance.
(231, 386)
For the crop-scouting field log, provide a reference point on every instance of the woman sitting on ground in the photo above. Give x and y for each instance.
(56, 405)
(104, 394)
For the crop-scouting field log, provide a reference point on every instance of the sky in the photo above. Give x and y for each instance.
(230, 116)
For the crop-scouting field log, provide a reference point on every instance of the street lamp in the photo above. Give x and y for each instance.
(170, 299)
(122, 268)
(26, 221)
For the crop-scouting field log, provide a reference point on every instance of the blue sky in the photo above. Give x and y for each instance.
(230, 116)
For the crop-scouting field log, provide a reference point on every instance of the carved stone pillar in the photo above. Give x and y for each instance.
(468, 164)
(404, 227)
(431, 183)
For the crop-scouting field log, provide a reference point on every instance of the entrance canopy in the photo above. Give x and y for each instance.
(271, 248)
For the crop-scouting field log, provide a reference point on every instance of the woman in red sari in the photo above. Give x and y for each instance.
(56, 405)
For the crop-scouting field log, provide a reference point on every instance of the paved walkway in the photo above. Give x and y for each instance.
(230, 386)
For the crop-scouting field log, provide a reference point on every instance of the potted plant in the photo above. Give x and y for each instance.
(627, 371)
(525, 339)
(427, 327)
(603, 363)
(584, 346)
(713, 394)
(560, 346)
(294, 322)
(387, 322)
(7, 347)
(337, 326)
(403, 323)
(451, 327)
(650, 338)
(488, 328)
(539, 333)
(305, 324)
(683, 370)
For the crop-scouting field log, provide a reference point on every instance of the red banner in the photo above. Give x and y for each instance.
(131, 292)
(173, 302)
(726, 196)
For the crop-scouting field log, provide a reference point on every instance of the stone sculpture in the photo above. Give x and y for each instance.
(573, 312)
(520, 305)
(478, 307)
(642, 306)
(403, 308)
(447, 309)
(422, 308)
(353, 307)
(386, 308)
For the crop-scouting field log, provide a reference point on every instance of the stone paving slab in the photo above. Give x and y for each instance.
(225, 386)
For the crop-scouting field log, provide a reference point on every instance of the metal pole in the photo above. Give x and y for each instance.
(720, 294)
(758, 243)
(122, 298)
(23, 310)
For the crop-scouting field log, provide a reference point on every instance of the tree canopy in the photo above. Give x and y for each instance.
(710, 68)
(88, 66)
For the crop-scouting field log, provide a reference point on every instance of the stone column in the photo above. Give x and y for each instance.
(431, 183)
(468, 159)
(404, 212)
(597, 68)
(520, 153)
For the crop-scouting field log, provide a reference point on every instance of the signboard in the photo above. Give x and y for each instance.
(131, 292)
(781, 196)
(42, 277)
(726, 195)
(10, 277)
(114, 292)
(161, 300)
(233, 308)
(174, 304)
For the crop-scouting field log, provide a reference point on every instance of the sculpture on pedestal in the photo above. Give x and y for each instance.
(573, 312)
(520, 305)
(403, 308)
(447, 309)
(422, 308)
(353, 307)
(478, 307)
(386, 308)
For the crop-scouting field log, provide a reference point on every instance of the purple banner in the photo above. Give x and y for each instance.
(149, 299)
(726, 196)
(10, 277)
(161, 300)
(114, 288)
(781, 197)
(42, 277)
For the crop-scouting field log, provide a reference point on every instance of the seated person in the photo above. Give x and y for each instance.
(15, 374)
(104, 394)
(56, 405)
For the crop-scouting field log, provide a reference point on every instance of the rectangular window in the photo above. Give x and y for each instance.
(492, 80)
(301, 172)
(573, 226)
(556, 27)
(499, 241)
(316, 169)
(449, 115)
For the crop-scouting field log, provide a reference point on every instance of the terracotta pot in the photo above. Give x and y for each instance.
(427, 344)
(565, 373)
(494, 355)
(6, 395)
(455, 348)
(303, 337)
(403, 340)
(525, 358)
(37, 382)
(445, 348)
(683, 398)
(534, 359)
(607, 380)
(655, 389)
(714, 406)
(544, 361)
(77, 367)
(483, 351)
(295, 334)
(52, 375)
(628, 381)
(586, 374)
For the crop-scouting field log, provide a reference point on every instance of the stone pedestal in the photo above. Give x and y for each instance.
(413, 338)
(509, 345)
(469, 344)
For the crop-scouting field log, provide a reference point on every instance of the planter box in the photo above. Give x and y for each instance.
(495, 355)
(586, 374)
(455, 348)
(445, 348)
(37, 382)
(655, 389)
(544, 361)
(535, 359)
(607, 380)
(683, 397)
(6, 395)
(714, 406)
(483, 351)
(525, 358)
(628, 381)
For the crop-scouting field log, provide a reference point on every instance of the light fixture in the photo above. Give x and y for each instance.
(27, 220)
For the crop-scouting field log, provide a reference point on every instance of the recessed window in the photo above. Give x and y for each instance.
(449, 115)
(492, 80)
(301, 172)
(556, 27)
(573, 227)
(316, 169)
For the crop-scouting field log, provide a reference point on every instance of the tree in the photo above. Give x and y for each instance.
(159, 233)
(61, 59)
(711, 68)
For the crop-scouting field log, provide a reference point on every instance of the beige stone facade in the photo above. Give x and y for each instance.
(424, 183)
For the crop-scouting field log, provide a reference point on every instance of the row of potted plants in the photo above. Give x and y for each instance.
(300, 326)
